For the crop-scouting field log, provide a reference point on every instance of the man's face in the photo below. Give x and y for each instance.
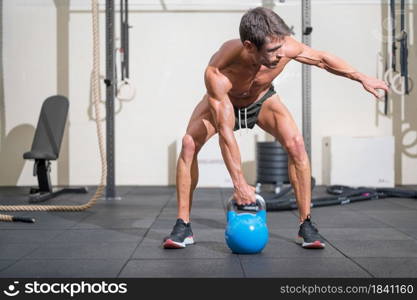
(271, 52)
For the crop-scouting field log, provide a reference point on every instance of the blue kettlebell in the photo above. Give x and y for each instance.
(246, 232)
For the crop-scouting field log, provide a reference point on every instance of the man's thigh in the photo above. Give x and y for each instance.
(275, 119)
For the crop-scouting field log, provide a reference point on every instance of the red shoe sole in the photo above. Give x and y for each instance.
(169, 244)
(315, 245)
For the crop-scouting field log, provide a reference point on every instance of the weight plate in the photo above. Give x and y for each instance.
(271, 179)
(268, 145)
(277, 172)
(274, 151)
(272, 158)
(272, 164)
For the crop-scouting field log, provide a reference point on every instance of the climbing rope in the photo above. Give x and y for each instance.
(95, 87)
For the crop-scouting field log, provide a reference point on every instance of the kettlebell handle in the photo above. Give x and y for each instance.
(260, 204)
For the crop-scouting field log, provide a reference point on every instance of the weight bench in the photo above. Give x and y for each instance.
(46, 146)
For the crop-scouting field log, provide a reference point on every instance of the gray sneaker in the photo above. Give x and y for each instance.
(181, 236)
(309, 237)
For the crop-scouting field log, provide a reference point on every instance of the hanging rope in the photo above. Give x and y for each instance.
(95, 87)
(125, 89)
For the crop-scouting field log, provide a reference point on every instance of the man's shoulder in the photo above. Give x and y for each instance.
(227, 53)
(292, 47)
(231, 47)
(233, 43)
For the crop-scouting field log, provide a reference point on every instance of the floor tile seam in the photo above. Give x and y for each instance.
(181, 259)
(146, 233)
(350, 259)
(23, 257)
(385, 257)
(14, 261)
(72, 259)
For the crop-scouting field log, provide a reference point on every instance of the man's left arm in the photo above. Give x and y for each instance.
(338, 66)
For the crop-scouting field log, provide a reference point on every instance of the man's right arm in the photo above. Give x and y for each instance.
(222, 111)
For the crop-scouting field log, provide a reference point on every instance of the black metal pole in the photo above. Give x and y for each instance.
(393, 45)
(124, 38)
(110, 95)
(404, 49)
(127, 38)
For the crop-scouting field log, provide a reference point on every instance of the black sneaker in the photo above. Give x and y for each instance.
(309, 237)
(181, 236)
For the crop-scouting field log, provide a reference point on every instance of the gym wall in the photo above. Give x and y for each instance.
(44, 54)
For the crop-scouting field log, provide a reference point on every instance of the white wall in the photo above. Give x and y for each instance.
(169, 51)
(341, 106)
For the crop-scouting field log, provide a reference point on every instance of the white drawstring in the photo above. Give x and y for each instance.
(240, 120)
(240, 126)
(246, 120)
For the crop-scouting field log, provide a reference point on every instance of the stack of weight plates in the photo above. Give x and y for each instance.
(272, 163)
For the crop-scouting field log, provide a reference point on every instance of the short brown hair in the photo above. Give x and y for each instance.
(260, 22)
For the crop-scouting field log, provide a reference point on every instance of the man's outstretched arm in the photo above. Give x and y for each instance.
(338, 66)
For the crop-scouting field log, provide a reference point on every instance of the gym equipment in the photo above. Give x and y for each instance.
(393, 41)
(400, 83)
(113, 89)
(125, 90)
(247, 231)
(272, 165)
(282, 197)
(46, 146)
(341, 195)
(95, 91)
(110, 82)
(404, 50)
(124, 38)
(272, 170)
(307, 29)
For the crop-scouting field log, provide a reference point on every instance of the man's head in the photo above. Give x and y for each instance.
(262, 33)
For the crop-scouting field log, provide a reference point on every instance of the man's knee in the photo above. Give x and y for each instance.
(190, 147)
(296, 150)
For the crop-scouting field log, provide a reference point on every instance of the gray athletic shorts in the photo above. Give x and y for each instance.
(249, 114)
